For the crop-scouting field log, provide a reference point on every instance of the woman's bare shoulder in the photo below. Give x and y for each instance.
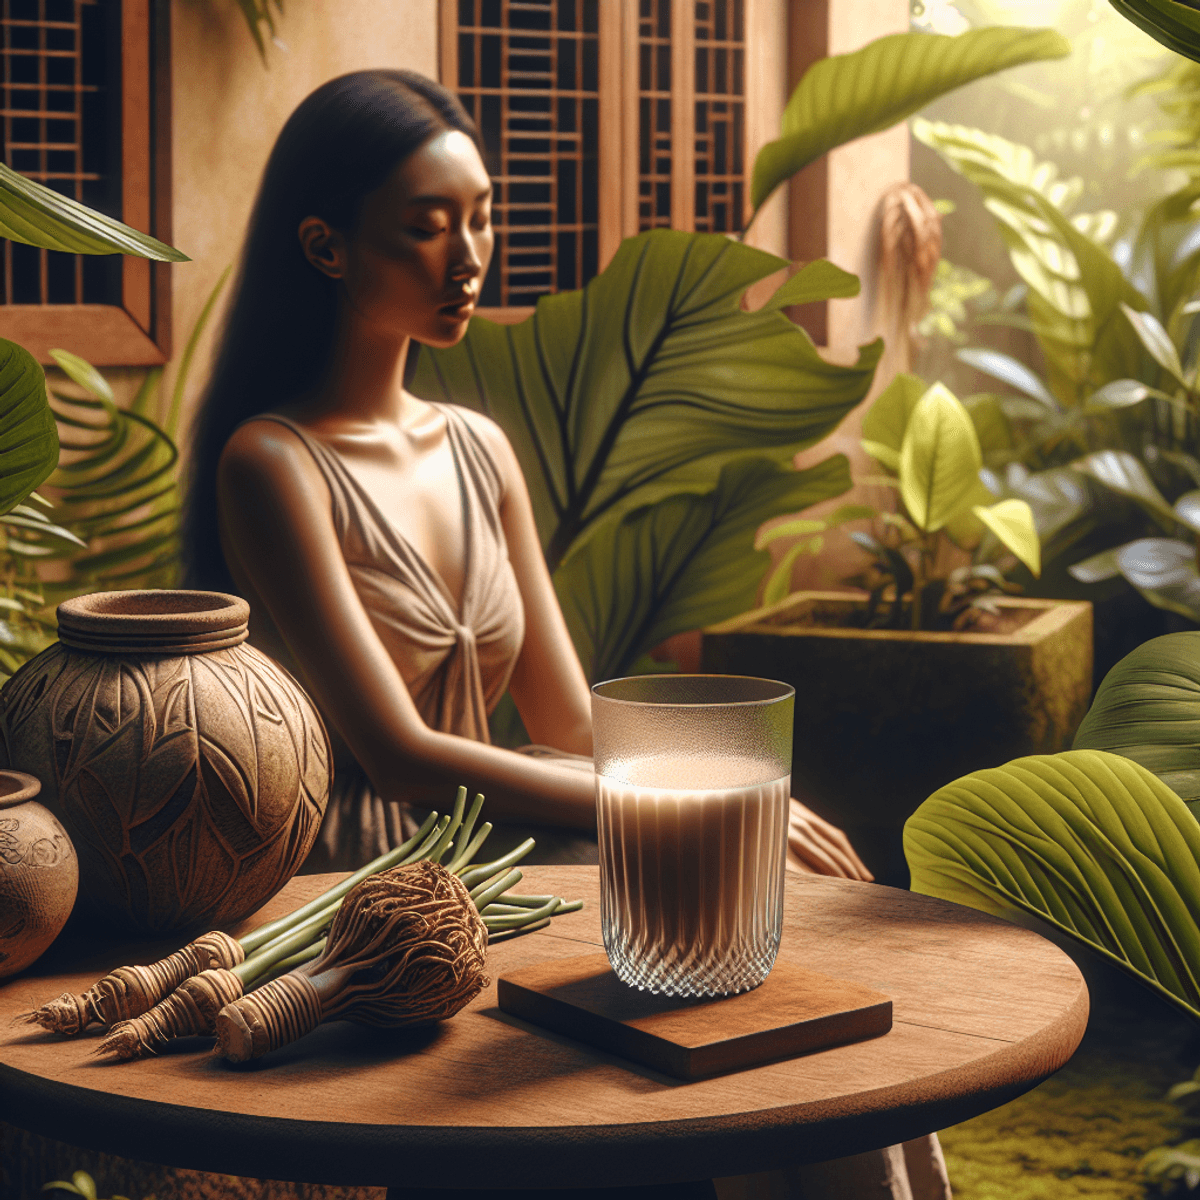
(268, 451)
(494, 439)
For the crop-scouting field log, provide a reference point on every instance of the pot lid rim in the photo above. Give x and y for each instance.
(165, 611)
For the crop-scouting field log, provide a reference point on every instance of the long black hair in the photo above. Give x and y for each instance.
(341, 143)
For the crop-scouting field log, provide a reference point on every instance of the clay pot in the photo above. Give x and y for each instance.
(190, 770)
(39, 873)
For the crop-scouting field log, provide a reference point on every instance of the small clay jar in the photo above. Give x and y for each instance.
(190, 770)
(39, 873)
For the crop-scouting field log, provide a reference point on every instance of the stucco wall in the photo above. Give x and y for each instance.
(228, 109)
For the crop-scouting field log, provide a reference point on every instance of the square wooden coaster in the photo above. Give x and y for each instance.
(793, 1011)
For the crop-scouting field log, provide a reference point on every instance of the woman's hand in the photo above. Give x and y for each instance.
(817, 848)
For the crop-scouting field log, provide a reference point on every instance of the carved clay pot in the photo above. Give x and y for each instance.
(190, 770)
(39, 873)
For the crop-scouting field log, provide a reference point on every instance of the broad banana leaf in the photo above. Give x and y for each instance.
(1090, 842)
(645, 383)
(40, 216)
(1075, 288)
(682, 563)
(1176, 25)
(28, 437)
(848, 96)
(1148, 709)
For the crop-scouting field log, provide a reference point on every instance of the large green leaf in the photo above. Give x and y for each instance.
(1012, 522)
(847, 96)
(1164, 571)
(646, 382)
(939, 460)
(886, 420)
(1148, 709)
(1124, 474)
(1174, 24)
(1090, 842)
(28, 437)
(682, 563)
(1076, 290)
(30, 212)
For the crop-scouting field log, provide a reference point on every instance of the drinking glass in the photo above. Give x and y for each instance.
(693, 777)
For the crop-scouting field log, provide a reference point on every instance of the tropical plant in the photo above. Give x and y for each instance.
(1172, 22)
(1119, 404)
(848, 96)
(1177, 92)
(39, 216)
(116, 502)
(81, 1184)
(655, 420)
(1174, 1170)
(260, 20)
(1089, 842)
(930, 445)
(1146, 709)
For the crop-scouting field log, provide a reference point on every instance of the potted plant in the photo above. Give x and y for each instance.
(934, 669)
(1103, 439)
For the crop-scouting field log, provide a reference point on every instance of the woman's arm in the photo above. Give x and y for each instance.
(548, 684)
(276, 525)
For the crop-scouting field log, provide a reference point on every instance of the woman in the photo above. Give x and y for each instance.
(387, 545)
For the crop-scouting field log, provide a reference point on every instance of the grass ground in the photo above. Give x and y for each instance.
(1083, 1131)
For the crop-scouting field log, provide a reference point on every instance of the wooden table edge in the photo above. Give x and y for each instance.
(533, 1157)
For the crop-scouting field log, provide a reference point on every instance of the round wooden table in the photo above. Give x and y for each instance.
(983, 1011)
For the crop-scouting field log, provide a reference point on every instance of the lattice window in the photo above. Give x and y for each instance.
(84, 109)
(720, 115)
(600, 118)
(528, 72)
(655, 125)
(62, 128)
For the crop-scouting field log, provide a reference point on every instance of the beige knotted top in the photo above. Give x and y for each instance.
(455, 658)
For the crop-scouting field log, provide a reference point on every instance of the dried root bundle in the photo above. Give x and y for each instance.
(189, 1010)
(129, 992)
(407, 947)
(147, 1007)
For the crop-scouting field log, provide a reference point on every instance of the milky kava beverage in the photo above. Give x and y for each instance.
(692, 877)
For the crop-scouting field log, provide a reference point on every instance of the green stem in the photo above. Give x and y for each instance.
(265, 934)
(486, 893)
(528, 901)
(464, 834)
(469, 851)
(296, 960)
(295, 940)
(486, 870)
(517, 920)
(504, 934)
(443, 843)
(423, 850)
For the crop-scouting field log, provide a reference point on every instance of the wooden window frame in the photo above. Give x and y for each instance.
(618, 133)
(138, 331)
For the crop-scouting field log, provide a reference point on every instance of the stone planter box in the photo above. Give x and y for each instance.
(886, 717)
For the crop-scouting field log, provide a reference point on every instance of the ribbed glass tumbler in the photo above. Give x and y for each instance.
(693, 776)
